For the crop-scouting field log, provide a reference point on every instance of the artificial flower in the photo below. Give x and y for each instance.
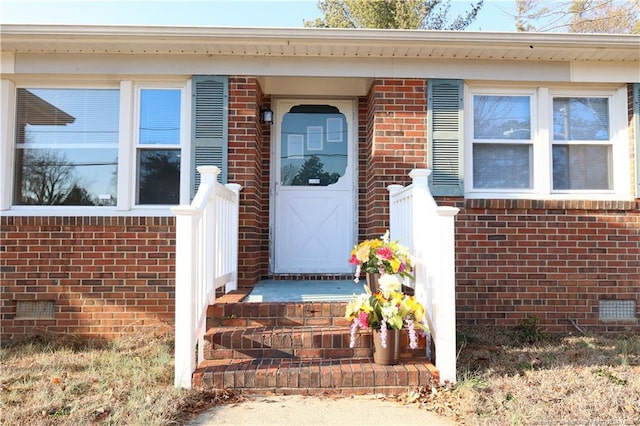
(381, 256)
(387, 308)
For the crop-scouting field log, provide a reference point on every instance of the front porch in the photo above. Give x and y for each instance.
(291, 336)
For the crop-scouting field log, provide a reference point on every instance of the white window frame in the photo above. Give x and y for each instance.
(182, 146)
(541, 136)
(469, 131)
(126, 146)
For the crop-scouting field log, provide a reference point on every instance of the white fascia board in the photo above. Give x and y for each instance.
(128, 65)
(162, 34)
(320, 42)
(596, 72)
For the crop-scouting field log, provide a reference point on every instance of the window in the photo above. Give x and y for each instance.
(502, 145)
(322, 160)
(66, 147)
(158, 149)
(546, 143)
(581, 143)
(85, 147)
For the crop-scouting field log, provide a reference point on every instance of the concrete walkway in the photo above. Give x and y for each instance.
(319, 410)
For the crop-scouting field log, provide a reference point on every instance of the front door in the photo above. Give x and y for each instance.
(314, 186)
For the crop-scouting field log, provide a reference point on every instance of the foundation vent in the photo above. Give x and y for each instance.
(617, 310)
(35, 309)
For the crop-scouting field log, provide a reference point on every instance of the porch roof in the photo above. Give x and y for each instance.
(319, 42)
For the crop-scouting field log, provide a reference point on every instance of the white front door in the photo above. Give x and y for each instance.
(314, 186)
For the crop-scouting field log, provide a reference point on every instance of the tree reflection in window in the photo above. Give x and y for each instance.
(48, 177)
(314, 146)
(312, 172)
(159, 176)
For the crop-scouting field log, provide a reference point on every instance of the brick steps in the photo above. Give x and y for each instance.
(299, 348)
(355, 376)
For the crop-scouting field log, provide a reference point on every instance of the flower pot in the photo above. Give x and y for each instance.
(372, 281)
(390, 354)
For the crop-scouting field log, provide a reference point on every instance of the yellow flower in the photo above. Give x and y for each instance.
(360, 303)
(416, 307)
(362, 253)
(395, 265)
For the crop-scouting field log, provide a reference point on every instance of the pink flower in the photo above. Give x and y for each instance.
(384, 253)
(354, 260)
(363, 320)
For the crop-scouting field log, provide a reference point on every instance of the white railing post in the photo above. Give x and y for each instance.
(446, 290)
(185, 311)
(208, 177)
(234, 229)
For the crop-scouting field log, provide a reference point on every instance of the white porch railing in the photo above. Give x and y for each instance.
(417, 222)
(206, 259)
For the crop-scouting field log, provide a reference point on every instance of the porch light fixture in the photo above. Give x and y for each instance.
(266, 116)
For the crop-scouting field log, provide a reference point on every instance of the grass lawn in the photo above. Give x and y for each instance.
(506, 377)
(524, 377)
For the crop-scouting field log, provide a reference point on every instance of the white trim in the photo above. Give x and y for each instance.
(19, 211)
(7, 129)
(257, 41)
(135, 142)
(542, 114)
(185, 142)
(125, 177)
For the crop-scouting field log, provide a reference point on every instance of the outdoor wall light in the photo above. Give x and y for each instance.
(266, 115)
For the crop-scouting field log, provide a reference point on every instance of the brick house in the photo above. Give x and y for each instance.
(533, 136)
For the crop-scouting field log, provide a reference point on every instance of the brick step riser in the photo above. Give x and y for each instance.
(295, 377)
(249, 354)
(277, 322)
(294, 311)
(301, 342)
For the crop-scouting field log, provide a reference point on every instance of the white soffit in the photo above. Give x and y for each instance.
(320, 42)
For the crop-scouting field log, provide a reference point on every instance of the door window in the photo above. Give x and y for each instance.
(313, 146)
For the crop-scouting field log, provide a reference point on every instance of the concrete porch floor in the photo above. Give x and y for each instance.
(305, 291)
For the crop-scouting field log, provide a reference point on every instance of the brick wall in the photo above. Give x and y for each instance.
(248, 148)
(395, 142)
(106, 275)
(550, 259)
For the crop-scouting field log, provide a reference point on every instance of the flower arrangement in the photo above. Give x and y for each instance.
(381, 256)
(387, 308)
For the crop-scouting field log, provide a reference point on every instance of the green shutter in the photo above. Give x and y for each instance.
(444, 119)
(209, 126)
(636, 130)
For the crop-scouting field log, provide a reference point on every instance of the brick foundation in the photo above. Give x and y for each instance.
(550, 259)
(106, 275)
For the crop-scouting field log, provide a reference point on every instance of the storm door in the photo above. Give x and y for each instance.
(314, 187)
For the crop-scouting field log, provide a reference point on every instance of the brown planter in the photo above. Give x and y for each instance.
(390, 354)
(372, 281)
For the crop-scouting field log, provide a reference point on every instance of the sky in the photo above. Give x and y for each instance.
(221, 13)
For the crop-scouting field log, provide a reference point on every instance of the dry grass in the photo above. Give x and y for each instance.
(522, 377)
(506, 377)
(61, 380)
